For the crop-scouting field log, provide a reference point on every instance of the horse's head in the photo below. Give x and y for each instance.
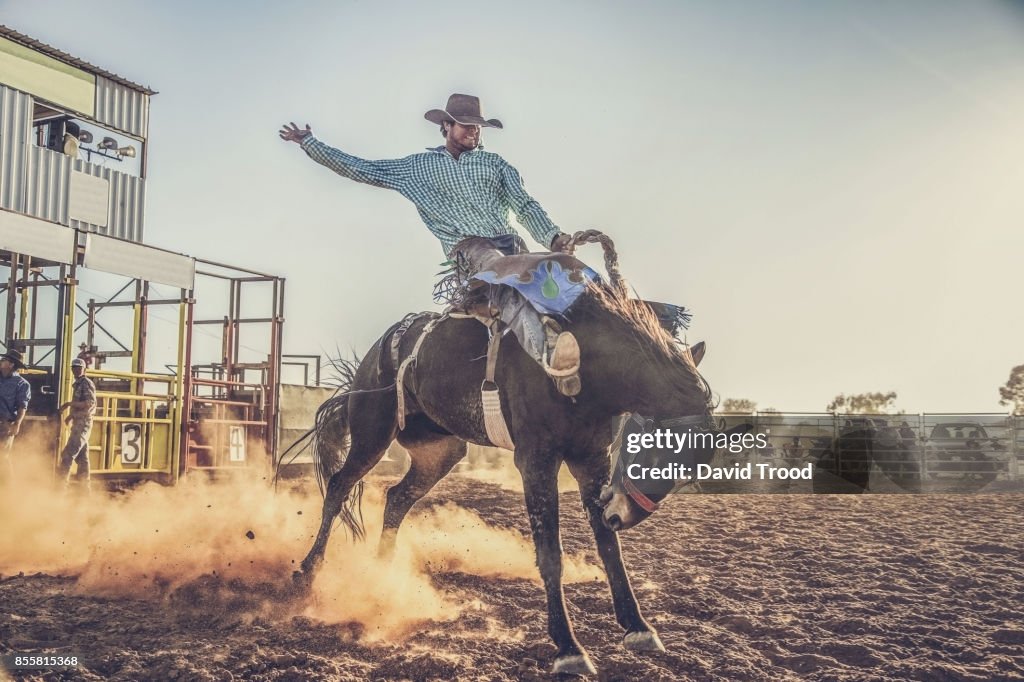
(638, 366)
(655, 457)
(628, 500)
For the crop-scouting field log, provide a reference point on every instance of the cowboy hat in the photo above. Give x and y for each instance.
(14, 355)
(464, 109)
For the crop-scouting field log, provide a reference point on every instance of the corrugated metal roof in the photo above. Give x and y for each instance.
(50, 51)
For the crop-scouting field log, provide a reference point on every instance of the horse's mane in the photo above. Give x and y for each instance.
(638, 317)
(642, 322)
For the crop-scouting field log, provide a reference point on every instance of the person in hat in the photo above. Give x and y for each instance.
(81, 406)
(464, 194)
(15, 393)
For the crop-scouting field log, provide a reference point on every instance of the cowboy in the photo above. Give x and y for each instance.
(463, 194)
(15, 393)
(81, 405)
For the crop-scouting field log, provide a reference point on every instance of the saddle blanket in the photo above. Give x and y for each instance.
(551, 282)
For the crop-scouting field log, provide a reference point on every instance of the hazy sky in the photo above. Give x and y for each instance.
(835, 189)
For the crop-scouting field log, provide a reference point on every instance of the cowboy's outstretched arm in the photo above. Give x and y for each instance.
(389, 174)
(526, 208)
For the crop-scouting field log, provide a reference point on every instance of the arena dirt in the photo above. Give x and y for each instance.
(193, 583)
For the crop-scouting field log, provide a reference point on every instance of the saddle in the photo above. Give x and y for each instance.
(550, 282)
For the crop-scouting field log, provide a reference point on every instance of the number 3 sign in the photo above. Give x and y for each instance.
(131, 444)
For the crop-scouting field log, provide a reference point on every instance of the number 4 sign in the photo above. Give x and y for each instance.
(236, 444)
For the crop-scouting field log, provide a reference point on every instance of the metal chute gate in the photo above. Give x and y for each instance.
(73, 168)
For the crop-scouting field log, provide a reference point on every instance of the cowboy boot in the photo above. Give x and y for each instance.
(563, 365)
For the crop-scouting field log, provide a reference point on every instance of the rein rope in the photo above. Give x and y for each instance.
(611, 257)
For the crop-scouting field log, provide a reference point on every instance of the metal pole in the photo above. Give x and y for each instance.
(12, 286)
(26, 293)
(90, 334)
(236, 327)
(144, 327)
(182, 388)
(1014, 449)
(32, 326)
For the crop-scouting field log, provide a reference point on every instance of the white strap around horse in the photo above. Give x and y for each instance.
(494, 420)
(400, 379)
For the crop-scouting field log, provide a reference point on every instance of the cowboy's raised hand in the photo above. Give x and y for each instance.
(562, 243)
(292, 133)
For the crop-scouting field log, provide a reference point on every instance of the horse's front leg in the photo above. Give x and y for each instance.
(540, 484)
(592, 475)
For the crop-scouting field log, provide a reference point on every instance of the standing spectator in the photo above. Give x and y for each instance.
(907, 435)
(792, 451)
(15, 393)
(82, 405)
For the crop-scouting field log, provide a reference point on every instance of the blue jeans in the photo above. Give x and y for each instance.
(76, 450)
(474, 254)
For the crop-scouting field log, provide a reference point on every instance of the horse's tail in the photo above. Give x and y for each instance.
(331, 442)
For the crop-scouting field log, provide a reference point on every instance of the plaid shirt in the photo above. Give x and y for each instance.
(468, 197)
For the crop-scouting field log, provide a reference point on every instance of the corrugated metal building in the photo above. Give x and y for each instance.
(95, 186)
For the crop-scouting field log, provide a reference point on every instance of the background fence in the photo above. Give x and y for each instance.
(904, 452)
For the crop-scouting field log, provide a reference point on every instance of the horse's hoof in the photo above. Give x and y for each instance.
(573, 665)
(301, 580)
(644, 640)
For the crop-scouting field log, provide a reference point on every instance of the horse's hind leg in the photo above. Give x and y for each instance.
(372, 426)
(432, 455)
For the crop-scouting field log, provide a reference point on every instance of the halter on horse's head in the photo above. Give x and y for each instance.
(686, 442)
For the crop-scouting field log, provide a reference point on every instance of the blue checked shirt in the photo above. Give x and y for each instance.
(468, 197)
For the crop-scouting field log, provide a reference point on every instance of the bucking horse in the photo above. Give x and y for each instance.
(422, 384)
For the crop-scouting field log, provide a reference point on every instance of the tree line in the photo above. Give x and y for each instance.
(1010, 394)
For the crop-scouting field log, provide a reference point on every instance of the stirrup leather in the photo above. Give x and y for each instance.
(494, 420)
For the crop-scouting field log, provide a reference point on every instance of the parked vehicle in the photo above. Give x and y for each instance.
(962, 450)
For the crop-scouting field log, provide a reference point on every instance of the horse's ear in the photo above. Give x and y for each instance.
(740, 429)
(697, 352)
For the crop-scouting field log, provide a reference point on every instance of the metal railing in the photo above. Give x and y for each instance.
(923, 451)
(134, 433)
(223, 428)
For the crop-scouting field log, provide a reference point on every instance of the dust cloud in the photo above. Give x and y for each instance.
(234, 543)
(495, 465)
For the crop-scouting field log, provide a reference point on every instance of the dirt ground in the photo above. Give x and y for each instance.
(740, 587)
